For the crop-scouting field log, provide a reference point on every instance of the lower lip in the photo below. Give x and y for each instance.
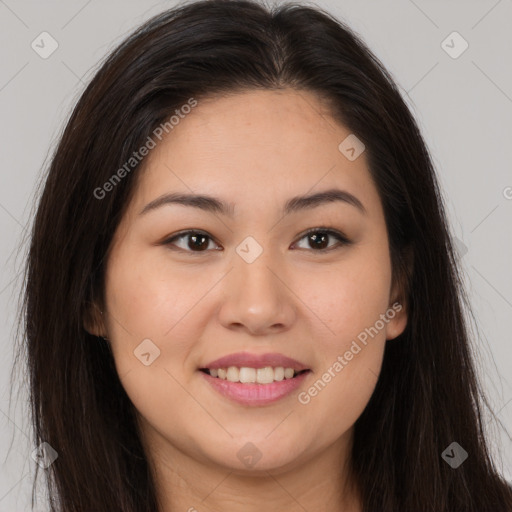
(255, 394)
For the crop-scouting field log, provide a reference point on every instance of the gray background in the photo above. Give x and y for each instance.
(463, 106)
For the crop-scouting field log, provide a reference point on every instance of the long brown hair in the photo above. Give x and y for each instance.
(427, 395)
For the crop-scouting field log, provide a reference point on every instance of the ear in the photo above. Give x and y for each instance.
(398, 303)
(93, 321)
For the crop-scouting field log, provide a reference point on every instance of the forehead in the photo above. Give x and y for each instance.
(261, 143)
(284, 123)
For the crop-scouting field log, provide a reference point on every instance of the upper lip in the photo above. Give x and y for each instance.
(245, 359)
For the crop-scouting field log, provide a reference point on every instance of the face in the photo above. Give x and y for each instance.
(187, 284)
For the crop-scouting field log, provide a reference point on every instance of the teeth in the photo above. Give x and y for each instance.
(279, 373)
(265, 375)
(233, 374)
(246, 375)
(288, 373)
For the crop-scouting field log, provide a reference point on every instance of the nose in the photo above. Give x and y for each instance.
(257, 298)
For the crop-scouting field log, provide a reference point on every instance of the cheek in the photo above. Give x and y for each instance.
(350, 340)
(349, 362)
(149, 299)
(147, 296)
(338, 394)
(149, 302)
(350, 297)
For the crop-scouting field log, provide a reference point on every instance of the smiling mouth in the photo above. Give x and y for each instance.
(246, 375)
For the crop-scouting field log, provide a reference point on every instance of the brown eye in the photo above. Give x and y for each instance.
(195, 241)
(318, 239)
(199, 242)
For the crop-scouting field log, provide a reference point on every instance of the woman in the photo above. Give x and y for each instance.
(241, 289)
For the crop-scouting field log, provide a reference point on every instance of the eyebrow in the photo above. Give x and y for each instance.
(215, 205)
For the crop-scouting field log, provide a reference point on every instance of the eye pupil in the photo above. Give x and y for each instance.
(198, 238)
(322, 238)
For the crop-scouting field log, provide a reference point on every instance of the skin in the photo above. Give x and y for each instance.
(255, 150)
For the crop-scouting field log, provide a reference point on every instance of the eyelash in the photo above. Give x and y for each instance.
(342, 239)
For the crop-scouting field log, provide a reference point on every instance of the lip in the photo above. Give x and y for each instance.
(255, 394)
(245, 359)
